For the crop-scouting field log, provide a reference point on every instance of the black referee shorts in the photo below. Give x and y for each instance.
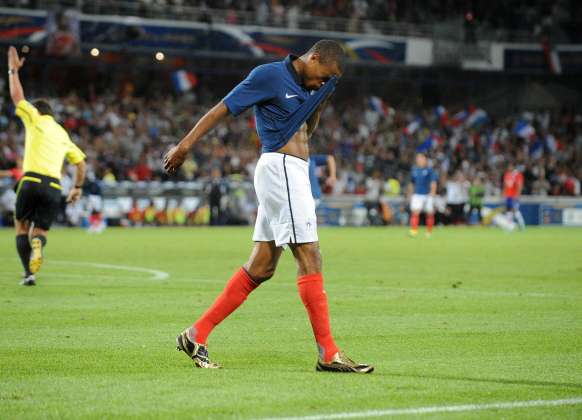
(38, 200)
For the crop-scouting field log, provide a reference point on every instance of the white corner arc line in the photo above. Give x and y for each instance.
(436, 409)
(156, 274)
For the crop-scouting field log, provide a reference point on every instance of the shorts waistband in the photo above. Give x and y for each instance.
(42, 179)
(301, 160)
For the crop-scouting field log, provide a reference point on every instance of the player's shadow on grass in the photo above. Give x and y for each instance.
(493, 380)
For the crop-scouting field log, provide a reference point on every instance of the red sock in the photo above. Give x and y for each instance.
(414, 221)
(429, 222)
(315, 301)
(234, 294)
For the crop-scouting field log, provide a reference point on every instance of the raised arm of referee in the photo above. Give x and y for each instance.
(46, 146)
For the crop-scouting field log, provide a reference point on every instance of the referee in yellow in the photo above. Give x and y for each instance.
(46, 146)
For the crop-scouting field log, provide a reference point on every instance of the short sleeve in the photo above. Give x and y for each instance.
(256, 88)
(74, 155)
(27, 112)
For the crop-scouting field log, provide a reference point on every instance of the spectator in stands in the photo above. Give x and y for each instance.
(457, 197)
(476, 196)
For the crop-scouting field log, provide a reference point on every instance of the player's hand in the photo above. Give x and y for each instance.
(330, 182)
(74, 195)
(14, 62)
(174, 159)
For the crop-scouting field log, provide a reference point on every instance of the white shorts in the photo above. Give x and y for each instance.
(422, 202)
(286, 207)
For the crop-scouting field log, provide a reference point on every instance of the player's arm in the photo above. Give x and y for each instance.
(76, 191)
(433, 188)
(331, 170)
(177, 154)
(409, 190)
(14, 64)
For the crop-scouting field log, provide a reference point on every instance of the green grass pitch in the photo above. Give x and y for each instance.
(471, 316)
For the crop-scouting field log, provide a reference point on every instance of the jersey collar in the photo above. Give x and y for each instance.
(289, 64)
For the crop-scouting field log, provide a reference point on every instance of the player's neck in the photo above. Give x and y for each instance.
(299, 66)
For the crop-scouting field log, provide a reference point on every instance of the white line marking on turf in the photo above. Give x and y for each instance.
(436, 409)
(156, 274)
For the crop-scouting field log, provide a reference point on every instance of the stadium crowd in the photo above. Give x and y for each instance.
(499, 19)
(125, 138)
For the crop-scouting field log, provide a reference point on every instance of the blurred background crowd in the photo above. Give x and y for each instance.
(522, 20)
(374, 144)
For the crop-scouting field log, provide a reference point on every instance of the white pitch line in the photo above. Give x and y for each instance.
(156, 274)
(436, 409)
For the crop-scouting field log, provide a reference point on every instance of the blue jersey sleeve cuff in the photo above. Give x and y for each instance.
(231, 107)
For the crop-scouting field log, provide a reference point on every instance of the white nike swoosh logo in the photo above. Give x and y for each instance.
(290, 96)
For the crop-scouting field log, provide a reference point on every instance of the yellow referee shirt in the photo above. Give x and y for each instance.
(47, 144)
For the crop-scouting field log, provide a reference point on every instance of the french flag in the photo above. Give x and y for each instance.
(459, 118)
(431, 142)
(536, 149)
(551, 144)
(552, 56)
(378, 105)
(475, 118)
(411, 128)
(184, 80)
(525, 130)
(442, 115)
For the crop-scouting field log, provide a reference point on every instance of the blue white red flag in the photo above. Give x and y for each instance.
(525, 130)
(378, 105)
(442, 115)
(184, 80)
(551, 143)
(552, 57)
(475, 118)
(412, 127)
(459, 118)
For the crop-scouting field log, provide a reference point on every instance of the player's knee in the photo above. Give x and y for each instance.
(260, 274)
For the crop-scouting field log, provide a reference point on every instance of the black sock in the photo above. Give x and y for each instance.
(42, 239)
(23, 247)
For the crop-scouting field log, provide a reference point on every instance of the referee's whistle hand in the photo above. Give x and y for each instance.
(174, 159)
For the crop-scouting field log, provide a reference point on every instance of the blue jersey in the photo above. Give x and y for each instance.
(422, 178)
(314, 162)
(281, 103)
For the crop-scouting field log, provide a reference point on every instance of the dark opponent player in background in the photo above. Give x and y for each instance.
(287, 97)
(38, 196)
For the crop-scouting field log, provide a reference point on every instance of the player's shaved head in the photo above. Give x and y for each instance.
(329, 52)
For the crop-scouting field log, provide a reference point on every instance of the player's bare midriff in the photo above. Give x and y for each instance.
(298, 145)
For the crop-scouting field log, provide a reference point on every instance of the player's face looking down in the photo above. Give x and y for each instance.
(317, 73)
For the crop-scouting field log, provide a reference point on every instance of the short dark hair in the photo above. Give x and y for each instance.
(330, 52)
(43, 106)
